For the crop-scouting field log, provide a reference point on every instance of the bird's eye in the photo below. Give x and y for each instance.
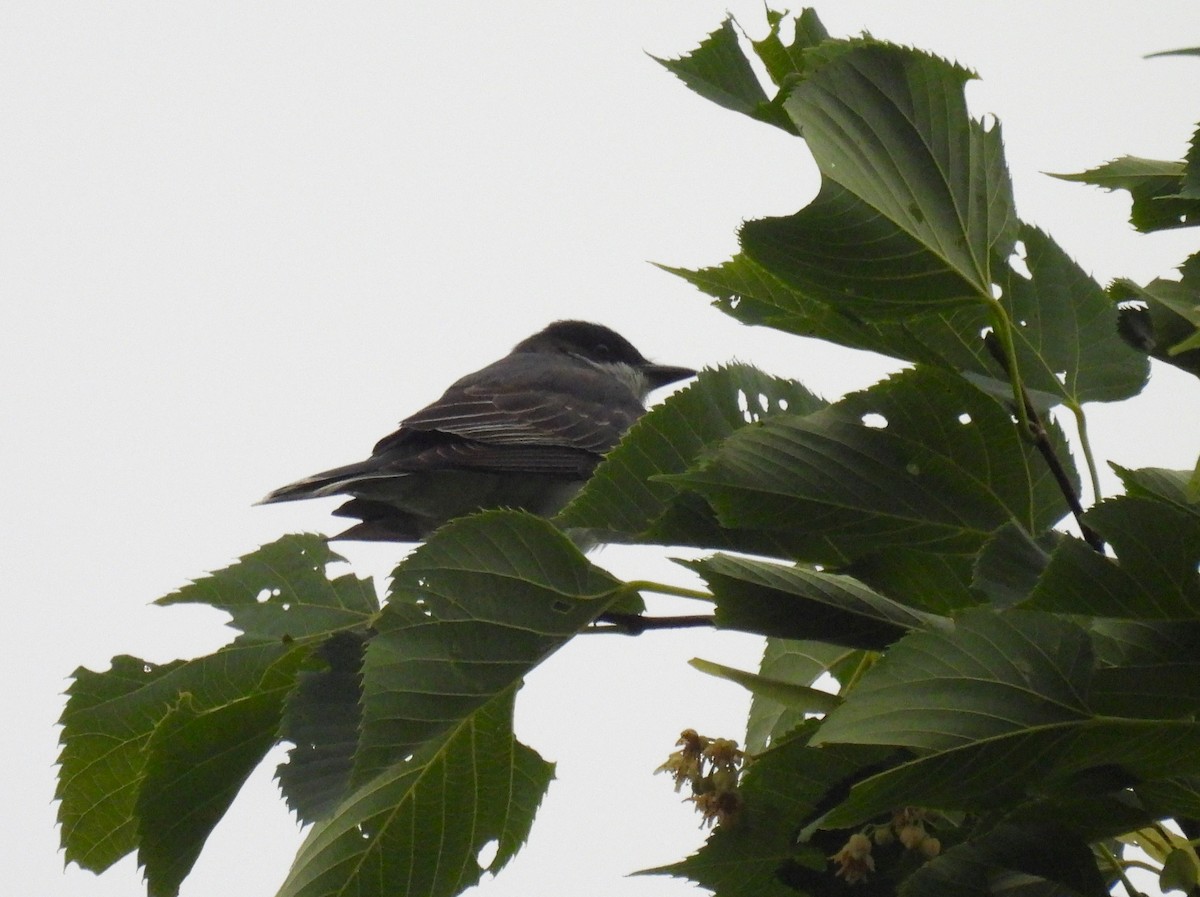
(602, 349)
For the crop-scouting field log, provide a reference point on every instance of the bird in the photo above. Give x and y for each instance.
(524, 432)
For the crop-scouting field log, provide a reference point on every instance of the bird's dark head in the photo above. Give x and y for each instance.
(603, 347)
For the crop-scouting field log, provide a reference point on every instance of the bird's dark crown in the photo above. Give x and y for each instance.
(592, 341)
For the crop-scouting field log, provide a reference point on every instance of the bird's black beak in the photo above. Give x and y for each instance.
(661, 374)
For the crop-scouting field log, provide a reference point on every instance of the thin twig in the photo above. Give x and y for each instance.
(1041, 439)
(636, 624)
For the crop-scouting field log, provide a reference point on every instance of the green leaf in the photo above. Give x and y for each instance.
(1154, 185)
(938, 582)
(794, 602)
(1154, 575)
(418, 826)
(1066, 327)
(801, 697)
(837, 488)
(141, 740)
(281, 591)
(1003, 708)
(718, 70)
(322, 718)
(1011, 563)
(1159, 483)
(627, 493)
(796, 662)
(197, 762)
(108, 725)
(785, 61)
(1005, 858)
(471, 611)
(915, 200)
(990, 676)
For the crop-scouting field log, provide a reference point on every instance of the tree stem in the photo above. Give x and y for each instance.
(636, 624)
(1035, 430)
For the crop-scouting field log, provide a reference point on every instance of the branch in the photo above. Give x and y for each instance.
(636, 624)
(1037, 433)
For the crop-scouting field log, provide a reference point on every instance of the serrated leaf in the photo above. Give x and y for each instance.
(915, 200)
(1165, 321)
(992, 675)
(322, 718)
(840, 489)
(1066, 332)
(1154, 575)
(137, 725)
(197, 761)
(1159, 483)
(108, 723)
(627, 493)
(785, 61)
(1005, 707)
(795, 602)
(797, 662)
(719, 71)
(281, 591)
(418, 826)
(1154, 186)
(470, 612)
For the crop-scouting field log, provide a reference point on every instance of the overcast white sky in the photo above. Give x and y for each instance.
(240, 241)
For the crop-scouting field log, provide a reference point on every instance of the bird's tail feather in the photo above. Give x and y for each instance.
(328, 482)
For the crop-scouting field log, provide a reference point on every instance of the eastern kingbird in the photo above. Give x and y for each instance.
(524, 432)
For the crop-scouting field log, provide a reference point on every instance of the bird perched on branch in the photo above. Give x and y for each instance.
(524, 432)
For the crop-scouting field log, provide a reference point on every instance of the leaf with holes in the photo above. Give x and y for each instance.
(941, 468)
(628, 495)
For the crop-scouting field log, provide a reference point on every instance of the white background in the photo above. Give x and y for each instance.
(239, 241)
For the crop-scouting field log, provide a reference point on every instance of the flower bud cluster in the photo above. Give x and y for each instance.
(908, 826)
(711, 767)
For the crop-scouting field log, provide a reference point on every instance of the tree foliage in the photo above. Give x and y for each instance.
(1018, 677)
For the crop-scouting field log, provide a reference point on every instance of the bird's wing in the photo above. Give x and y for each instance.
(534, 401)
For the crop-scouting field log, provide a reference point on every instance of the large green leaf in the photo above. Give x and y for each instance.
(1066, 327)
(992, 675)
(109, 738)
(627, 493)
(1007, 706)
(915, 202)
(795, 602)
(940, 469)
(418, 826)
(140, 725)
(197, 762)
(472, 610)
